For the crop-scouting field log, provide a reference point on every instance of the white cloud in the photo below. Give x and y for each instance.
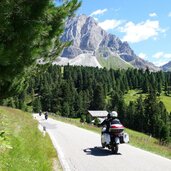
(109, 24)
(167, 55)
(159, 63)
(161, 58)
(153, 14)
(98, 12)
(159, 55)
(169, 15)
(143, 55)
(141, 31)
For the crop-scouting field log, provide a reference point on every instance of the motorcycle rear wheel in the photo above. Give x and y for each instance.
(115, 149)
(103, 145)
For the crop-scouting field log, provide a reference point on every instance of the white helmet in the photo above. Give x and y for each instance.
(113, 114)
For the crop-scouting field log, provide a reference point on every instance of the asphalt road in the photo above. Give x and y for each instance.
(80, 150)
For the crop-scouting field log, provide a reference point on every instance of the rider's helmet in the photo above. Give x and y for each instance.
(113, 114)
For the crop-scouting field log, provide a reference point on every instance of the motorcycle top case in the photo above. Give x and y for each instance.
(116, 128)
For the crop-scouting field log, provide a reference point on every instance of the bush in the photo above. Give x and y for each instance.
(96, 121)
(83, 118)
(88, 119)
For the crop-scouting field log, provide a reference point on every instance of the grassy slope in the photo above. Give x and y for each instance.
(137, 139)
(133, 95)
(167, 101)
(148, 143)
(113, 62)
(141, 141)
(24, 147)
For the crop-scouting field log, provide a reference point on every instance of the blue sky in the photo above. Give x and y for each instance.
(145, 24)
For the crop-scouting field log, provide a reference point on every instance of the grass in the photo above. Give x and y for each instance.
(137, 139)
(22, 145)
(148, 143)
(167, 101)
(133, 95)
(142, 140)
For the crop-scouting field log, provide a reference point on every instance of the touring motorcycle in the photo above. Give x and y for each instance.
(114, 136)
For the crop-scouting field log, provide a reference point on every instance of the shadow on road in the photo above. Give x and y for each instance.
(99, 151)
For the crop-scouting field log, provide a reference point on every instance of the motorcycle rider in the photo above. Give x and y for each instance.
(40, 113)
(46, 115)
(112, 132)
(111, 118)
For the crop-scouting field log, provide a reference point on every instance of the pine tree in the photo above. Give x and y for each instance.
(98, 101)
(140, 115)
(164, 134)
(30, 30)
(66, 109)
(37, 105)
(151, 106)
(130, 117)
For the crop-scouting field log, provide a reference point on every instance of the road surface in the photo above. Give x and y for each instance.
(80, 150)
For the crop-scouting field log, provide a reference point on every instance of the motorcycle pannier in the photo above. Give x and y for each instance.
(124, 138)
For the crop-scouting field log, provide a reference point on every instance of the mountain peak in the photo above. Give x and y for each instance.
(89, 38)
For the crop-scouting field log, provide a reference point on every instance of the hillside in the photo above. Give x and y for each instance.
(22, 145)
(133, 95)
(114, 63)
(89, 40)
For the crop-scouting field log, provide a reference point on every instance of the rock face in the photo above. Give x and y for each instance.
(166, 67)
(89, 39)
(85, 34)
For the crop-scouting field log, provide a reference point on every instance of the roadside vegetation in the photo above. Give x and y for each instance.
(22, 145)
(137, 139)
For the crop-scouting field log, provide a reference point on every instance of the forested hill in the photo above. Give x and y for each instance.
(72, 90)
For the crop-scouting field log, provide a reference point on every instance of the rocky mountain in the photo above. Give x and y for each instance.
(166, 67)
(93, 46)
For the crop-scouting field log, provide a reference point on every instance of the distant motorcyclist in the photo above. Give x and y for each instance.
(46, 115)
(111, 118)
(40, 113)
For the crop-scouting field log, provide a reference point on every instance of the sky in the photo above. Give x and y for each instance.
(145, 24)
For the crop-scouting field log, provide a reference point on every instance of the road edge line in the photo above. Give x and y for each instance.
(60, 154)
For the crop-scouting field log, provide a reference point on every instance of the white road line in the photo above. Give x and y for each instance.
(62, 159)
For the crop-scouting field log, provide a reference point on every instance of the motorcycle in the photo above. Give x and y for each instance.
(46, 116)
(114, 136)
(40, 113)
